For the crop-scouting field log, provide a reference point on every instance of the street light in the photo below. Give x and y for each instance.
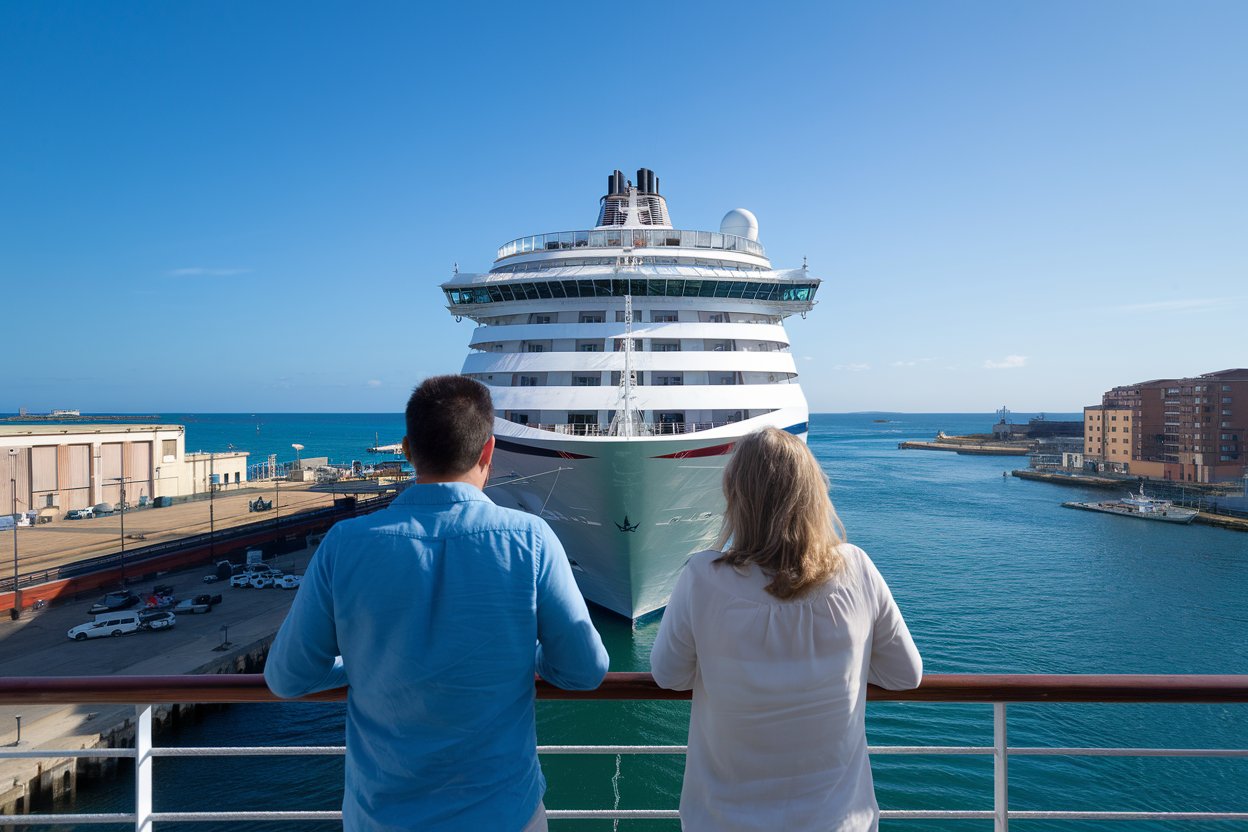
(17, 598)
(212, 517)
(122, 505)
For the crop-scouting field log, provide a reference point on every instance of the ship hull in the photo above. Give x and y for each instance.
(629, 511)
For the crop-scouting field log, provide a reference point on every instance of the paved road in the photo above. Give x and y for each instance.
(66, 541)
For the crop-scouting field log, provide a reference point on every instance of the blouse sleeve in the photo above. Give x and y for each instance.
(674, 659)
(895, 660)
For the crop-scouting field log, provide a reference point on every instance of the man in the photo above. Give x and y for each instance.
(437, 611)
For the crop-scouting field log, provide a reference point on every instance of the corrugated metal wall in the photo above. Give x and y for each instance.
(140, 473)
(18, 467)
(77, 488)
(43, 474)
(110, 472)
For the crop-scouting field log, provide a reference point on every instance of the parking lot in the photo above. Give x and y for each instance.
(37, 645)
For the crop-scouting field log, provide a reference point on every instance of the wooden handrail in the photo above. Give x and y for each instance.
(936, 687)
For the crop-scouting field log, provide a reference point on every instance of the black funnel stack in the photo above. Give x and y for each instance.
(647, 182)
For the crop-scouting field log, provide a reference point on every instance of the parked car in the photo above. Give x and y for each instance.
(114, 601)
(108, 624)
(240, 580)
(198, 604)
(288, 582)
(157, 620)
(80, 514)
(261, 581)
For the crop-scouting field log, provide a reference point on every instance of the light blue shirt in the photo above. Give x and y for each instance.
(437, 611)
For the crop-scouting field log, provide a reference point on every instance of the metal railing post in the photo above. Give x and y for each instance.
(1000, 770)
(143, 769)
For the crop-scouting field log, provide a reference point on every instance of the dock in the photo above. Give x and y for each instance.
(1204, 518)
(245, 622)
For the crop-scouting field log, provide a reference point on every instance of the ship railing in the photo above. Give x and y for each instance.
(630, 238)
(646, 429)
(147, 692)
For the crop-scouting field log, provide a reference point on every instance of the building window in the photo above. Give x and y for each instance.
(528, 381)
(669, 381)
(665, 346)
(592, 317)
(586, 381)
(537, 348)
(169, 447)
(541, 319)
(663, 317)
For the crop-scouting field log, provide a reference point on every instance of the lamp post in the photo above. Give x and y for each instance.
(17, 598)
(122, 506)
(212, 517)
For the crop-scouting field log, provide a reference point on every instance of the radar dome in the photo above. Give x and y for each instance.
(740, 222)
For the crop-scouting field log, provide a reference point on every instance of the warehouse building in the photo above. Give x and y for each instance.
(55, 468)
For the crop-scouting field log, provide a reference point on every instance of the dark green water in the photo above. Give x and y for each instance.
(992, 575)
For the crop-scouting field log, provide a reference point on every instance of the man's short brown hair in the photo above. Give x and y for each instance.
(449, 420)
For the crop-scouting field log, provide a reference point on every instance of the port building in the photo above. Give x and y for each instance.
(1184, 430)
(53, 468)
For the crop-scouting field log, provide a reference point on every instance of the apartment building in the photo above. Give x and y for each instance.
(1187, 429)
(1107, 435)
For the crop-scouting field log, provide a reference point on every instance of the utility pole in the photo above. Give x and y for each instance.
(122, 480)
(212, 517)
(17, 598)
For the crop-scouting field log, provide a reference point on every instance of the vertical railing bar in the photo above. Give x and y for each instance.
(1000, 770)
(143, 769)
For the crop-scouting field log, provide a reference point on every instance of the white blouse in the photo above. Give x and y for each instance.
(777, 738)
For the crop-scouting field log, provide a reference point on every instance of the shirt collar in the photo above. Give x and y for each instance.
(439, 493)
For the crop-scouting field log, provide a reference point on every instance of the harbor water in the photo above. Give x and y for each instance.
(993, 576)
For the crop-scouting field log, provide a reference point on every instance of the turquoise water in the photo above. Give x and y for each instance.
(992, 575)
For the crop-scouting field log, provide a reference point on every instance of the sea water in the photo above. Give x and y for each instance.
(992, 575)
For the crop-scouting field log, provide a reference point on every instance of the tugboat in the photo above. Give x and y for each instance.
(1141, 506)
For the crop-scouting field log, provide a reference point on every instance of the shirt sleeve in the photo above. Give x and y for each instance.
(304, 657)
(570, 654)
(895, 660)
(674, 658)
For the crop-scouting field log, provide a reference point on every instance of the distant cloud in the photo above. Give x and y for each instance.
(1177, 305)
(852, 368)
(200, 271)
(372, 382)
(913, 363)
(808, 358)
(1008, 363)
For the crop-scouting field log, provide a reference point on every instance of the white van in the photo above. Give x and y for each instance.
(107, 624)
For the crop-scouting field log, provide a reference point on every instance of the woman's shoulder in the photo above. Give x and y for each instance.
(703, 561)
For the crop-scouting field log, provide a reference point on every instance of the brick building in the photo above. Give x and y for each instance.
(1187, 430)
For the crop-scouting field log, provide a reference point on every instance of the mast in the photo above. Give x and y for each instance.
(627, 421)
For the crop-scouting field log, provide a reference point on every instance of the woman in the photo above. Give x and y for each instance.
(778, 636)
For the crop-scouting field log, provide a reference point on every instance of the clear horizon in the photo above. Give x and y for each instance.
(236, 207)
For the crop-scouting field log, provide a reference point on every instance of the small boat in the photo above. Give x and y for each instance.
(1142, 506)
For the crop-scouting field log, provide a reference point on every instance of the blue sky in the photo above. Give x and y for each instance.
(249, 207)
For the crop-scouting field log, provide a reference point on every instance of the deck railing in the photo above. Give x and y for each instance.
(999, 690)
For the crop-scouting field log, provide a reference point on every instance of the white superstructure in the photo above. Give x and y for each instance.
(624, 363)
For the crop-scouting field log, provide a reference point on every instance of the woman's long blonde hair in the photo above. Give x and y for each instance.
(779, 516)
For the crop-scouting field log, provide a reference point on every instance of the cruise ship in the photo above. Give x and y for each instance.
(624, 362)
